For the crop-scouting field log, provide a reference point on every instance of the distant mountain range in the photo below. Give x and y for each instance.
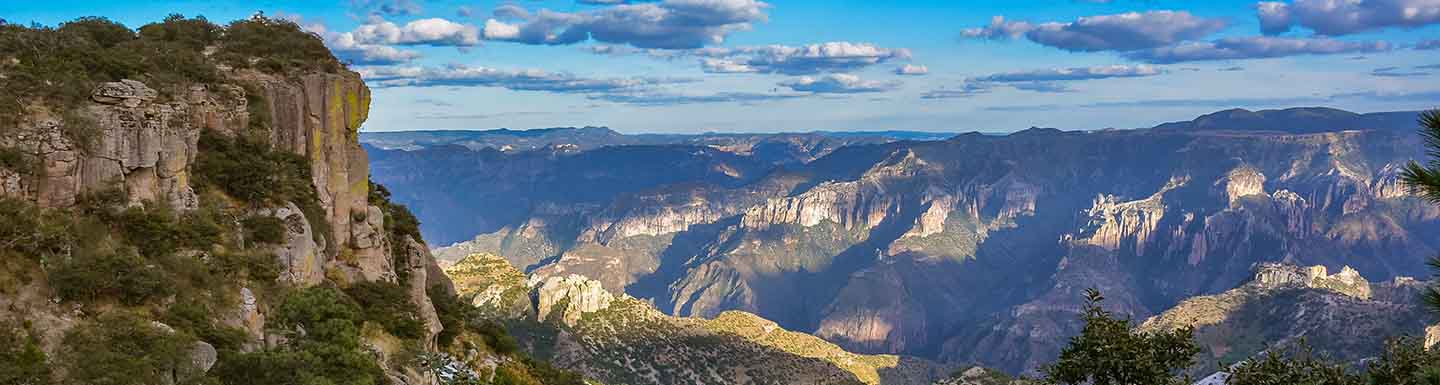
(970, 249)
(587, 138)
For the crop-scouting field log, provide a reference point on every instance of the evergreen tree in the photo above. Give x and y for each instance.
(1109, 352)
(1424, 179)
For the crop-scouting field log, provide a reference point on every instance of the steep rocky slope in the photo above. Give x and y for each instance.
(975, 249)
(1341, 313)
(619, 339)
(212, 221)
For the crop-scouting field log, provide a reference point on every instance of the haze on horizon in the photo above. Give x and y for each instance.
(691, 66)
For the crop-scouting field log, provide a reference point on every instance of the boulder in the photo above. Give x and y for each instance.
(129, 93)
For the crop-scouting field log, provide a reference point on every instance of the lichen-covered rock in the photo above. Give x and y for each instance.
(303, 260)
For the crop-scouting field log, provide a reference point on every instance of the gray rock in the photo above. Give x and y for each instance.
(129, 93)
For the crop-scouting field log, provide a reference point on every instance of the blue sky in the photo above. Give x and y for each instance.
(800, 65)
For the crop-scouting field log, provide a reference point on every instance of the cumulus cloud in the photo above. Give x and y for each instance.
(1343, 17)
(432, 32)
(669, 24)
(1067, 74)
(803, 60)
(667, 98)
(1254, 47)
(345, 48)
(1119, 32)
(912, 70)
(517, 80)
(839, 84)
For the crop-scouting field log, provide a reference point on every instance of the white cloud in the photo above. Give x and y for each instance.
(1079, 73)
(518, 80)
(669, 24)
(1343, 17)
(912, 70)
(1254, 47)
(839, 84)
(803, 60)
(432, 31)
(1119, 32)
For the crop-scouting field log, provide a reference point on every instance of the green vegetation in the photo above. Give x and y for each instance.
(21, 360)
(254, 173)
(400, 225)
(389, 305)
(1424, 179)
(324, 347)
(1405, 361)
(59, 66)
(120, 348)
(1109, 352)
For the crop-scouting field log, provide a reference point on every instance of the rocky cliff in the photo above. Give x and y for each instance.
(619, 339)
(976, 249)
(143, 146)
(1282, 305)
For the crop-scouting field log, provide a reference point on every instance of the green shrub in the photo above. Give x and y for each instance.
(21, 360)
(196, 318)
(1108, 351)
(254, 173)
(151, 229)
(328, 351)
(400, 224)
(389, 305)
(497, 338)
(123, 274)
(275, 46)
(454, 314)
(120, 348)
(264, 229)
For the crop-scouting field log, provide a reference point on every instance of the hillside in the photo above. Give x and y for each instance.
(887, 248)
(1283, 305)
(189, 203)
(619, 339)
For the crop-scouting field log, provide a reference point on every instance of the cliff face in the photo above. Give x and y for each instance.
(126, 138)
(977, 249)
(1339, 313)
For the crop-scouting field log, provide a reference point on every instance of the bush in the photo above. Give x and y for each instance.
(1108, 352)
(400, 224)
(249, 170)
(152, 230)
(328, 351)
(21, 360)
(194, 317)
(275, 46)
(264, 229)
(121, 348)
(123, 274)
(497, 338)
(389, 305)
(454, 314)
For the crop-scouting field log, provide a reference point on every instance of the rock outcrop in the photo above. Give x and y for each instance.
(619, 339)
(1284, 304)
(129, 138)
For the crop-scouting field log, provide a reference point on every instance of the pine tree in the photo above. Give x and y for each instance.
(1424, 179)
